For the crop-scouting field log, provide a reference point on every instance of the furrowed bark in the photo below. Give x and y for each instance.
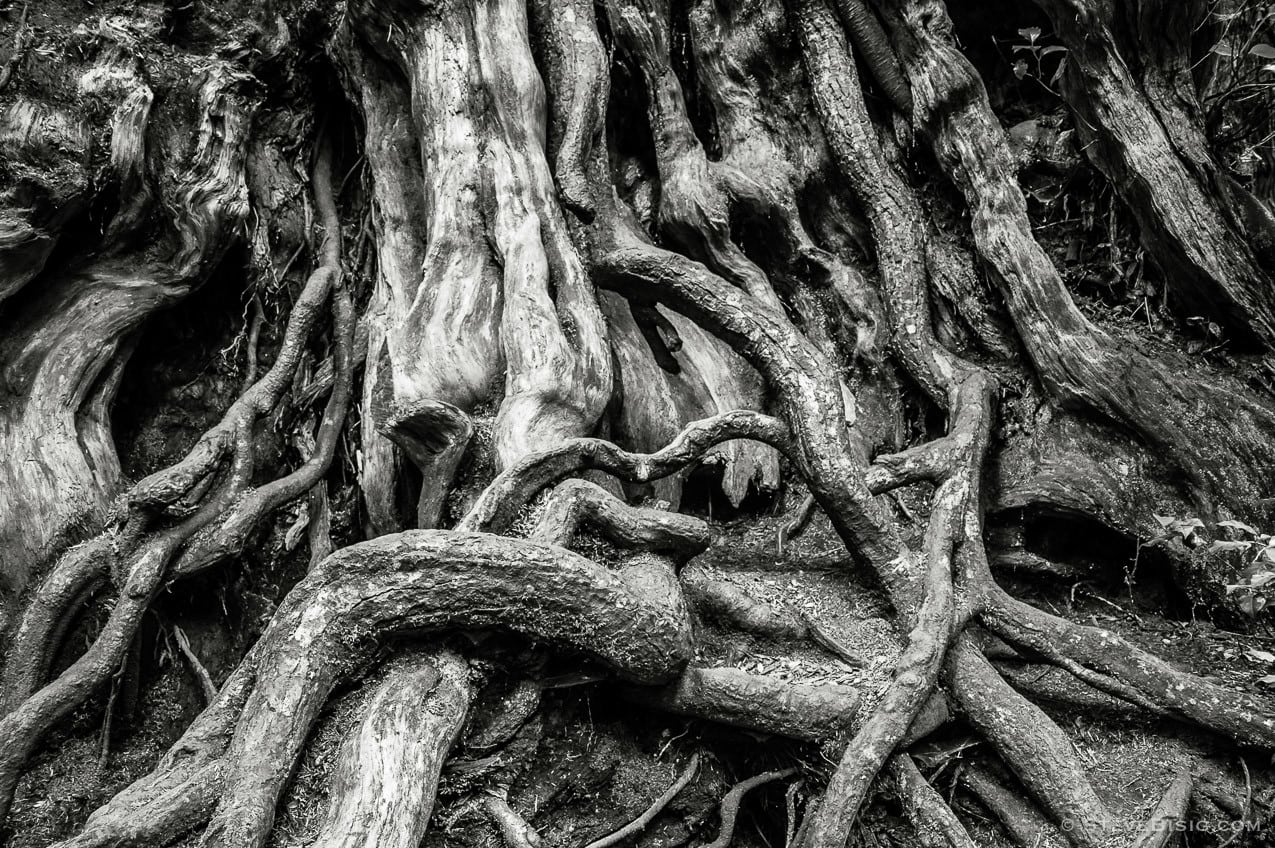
(1079, 363)
(488, 271)
(1173, 189)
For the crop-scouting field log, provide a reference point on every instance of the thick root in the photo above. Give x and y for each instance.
(386, 776)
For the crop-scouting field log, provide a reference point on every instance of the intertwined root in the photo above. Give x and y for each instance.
(499, 292)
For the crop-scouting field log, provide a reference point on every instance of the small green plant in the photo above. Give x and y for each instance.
(1037, 52)
(1254, 588)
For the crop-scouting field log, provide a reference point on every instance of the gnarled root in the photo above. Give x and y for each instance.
(236, 758)
(209, 488)
(575, 503)
(501, 502)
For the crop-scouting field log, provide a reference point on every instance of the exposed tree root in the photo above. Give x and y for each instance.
(728, 810)
(1044, 760)
(514, 829)
(214, 526)
(384, 783)
(1079, 363)
(1146, 135)
(574, 503)
(487, 345)
(1243, 717)
(484, 296)
(932, 819)
(501, 502)
(731, 605)
(64, 351)
(419, 580)
(1162, 826)
(1023, 822)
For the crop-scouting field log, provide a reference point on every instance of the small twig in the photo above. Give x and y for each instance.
(660, 754)
(729, 808)
(821, 637)
(516, 831)
(206, 684)
(639, 824)
(790, 805)
(1248, 805)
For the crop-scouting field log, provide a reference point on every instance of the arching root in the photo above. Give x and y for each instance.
(728, 810)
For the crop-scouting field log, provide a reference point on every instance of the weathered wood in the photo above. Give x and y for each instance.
(386, 775)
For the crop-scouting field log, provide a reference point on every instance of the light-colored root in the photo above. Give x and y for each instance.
(935, 823)
(580, 78)
(417, 581)
(1044, 759)
(503, 295)
(434, 435)
(1018, 816)
(386, 775)
(401, 222)
(576, 503)
(516, 831)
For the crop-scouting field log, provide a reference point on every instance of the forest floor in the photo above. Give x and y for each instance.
(576, 749)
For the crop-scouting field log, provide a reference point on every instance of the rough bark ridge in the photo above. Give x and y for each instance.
(614, 344)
